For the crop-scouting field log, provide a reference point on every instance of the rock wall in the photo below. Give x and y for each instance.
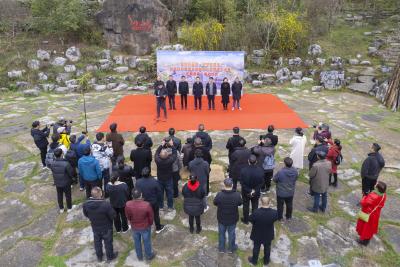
(135, 25)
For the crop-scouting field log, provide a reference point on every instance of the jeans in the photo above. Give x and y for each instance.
(197, 102)
(368, 185)
(156, 211)
(176, 177)
(211, 101)
(137, 236)
(161, 105)
(184, 101)
(107, 237)
(236, 103)
(317, 199)
(289, 206)
(43, 152)
(256, 251)
(246, 206)
(60, 192)
(171, 101)
(231, 237)
(120, 221)
(191, 222)
(89, 185)
(167, 187)
(267, 180)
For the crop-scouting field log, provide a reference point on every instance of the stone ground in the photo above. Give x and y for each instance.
(32, 233)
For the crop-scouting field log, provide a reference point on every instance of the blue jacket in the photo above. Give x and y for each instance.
(285, 181)
(78, 147)
(150, 189)
(89, 168)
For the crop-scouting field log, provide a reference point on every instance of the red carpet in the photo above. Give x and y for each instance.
(259, 110)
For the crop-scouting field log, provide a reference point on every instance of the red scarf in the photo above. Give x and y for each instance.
(193, 187)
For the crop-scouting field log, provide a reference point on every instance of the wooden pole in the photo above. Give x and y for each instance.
(393, 93)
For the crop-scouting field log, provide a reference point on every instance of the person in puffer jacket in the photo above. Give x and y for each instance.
(89, 170)
(201, 169)
(193, 206)
(125, 173)
(103, 151)
(285, 180)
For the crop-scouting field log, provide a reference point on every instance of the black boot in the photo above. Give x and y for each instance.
(198, 230)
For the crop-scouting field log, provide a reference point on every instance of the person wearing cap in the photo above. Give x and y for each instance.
(193, 204)
(319, 181)
(117, 142)
(64, 137)
(320, 145)
(227, 202)
(40, 138)
(371, 169)
(298, 143)
(262, 232)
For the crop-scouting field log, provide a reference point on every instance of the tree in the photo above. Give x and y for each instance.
(203, 35)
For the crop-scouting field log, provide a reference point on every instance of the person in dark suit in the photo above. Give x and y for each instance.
(144, 138)
(171, 89)
(236, 93)
(262, 232)
(141, 158)
(161, 93)
(233, 142)
(211, 91)
(225, 92)
(183, 89)
(198, 92)
(271, 135)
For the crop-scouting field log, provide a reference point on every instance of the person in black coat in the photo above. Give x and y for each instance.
(151, 192)
(262, 232)
(125, 174)
(165, 159)
(225, 92)
(161, 93)
(171, 89)
(119, 195)
(40, 138)
(198, 92)
(63, 177)
(251, 179)
(271, 135)
(183, 91)
(198, 145)
(193, 205)
(371, 169)
(101, 216)
(236, 93)
(233, 142)
(144, 137)
(204, 136)
(211, 92)
(320, 145)
(239, 160)
(141, 158)
(227, 202)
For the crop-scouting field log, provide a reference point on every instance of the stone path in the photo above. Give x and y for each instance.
(33, 233)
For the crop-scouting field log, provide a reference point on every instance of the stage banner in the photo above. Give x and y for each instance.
(205, 64)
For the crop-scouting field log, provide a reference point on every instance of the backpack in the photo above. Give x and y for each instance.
(269, 162)
(339, 159)
(50, 157)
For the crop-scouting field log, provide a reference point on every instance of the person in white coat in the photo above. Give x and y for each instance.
(298, 143)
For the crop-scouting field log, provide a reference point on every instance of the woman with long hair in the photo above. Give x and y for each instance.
(334, 156)
(225, 92)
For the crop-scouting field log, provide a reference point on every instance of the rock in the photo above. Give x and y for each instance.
(31, 92)
(18, 171)
(62, 90)
(131, 61)
(393, 236)
(317, 88)
(337, 61)
(391, 210)
(44, 226)
(217, 174)
(120, 87)
(105, 54)
(135, 25)
(69, 68)
(17, 187)
(266, 76)
(73, 54)
(47, 87)
(43, 55)
(100, 87)
(367, 33)
(283, 74)
(332, 79)
(297, 225)
(73, 238)
(119, 59)
(349, 202)
(90, 68)
(314, 50)
(372, 51)
(21, 85)
(26, 253)
(243, 239)
(121, 69)
(63, 77)
(295, 82)
(308, 250)
(280, 252)
(259, 53)
(354, 61)
(365, 63)
(138, 88)
(307, 80)
(13, 213)
(297, 75)
(332, 243)
(133, 261)
(33, 64)
(210, 257)
(257, 83)
(42, 76)
(321, 61)
(111, 86)
(76, 215)
(295, 62)
(59, 61)
(15, 74)
(105, 64)
(9, 241)
(361, 87)
(42, 194)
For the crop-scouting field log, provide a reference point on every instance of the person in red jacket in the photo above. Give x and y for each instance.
(140, 216)
(371, 204)
(334, 151)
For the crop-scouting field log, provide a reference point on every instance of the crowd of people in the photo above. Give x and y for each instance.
(162, 91)
(127, 196)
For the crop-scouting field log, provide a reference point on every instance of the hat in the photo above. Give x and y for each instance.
(60, 129)
(228, 182)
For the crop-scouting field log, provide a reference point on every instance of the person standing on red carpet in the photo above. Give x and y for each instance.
(171, 89)
(183, 89)
(161, 93)
(198, 92)
(236, 93)
(211, 91)
(225, 92)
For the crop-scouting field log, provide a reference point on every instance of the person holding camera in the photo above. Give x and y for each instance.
(64, 137)
(40, 138)
(63, 123)
(161, 93)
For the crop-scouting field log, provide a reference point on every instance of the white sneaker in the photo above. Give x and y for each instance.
(240, 108)
(206, 209)
(72, 208)
(233, 108)
(61, 211)
(129, 227)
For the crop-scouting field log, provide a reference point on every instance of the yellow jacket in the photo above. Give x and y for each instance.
(64, 140)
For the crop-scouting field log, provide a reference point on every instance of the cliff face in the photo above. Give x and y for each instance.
(135, 25)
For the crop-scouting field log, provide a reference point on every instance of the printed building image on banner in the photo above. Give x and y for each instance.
(205, 64)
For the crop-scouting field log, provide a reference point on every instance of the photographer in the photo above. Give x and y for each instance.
(40, 138)
(63, 123)
(64, 137)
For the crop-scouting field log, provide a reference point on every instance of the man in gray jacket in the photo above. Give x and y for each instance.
(319, 180)
(285, 181)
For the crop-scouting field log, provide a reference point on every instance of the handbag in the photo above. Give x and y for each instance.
(363, 216)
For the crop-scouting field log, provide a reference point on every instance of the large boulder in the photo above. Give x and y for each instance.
(135, 25)
(333, 79)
